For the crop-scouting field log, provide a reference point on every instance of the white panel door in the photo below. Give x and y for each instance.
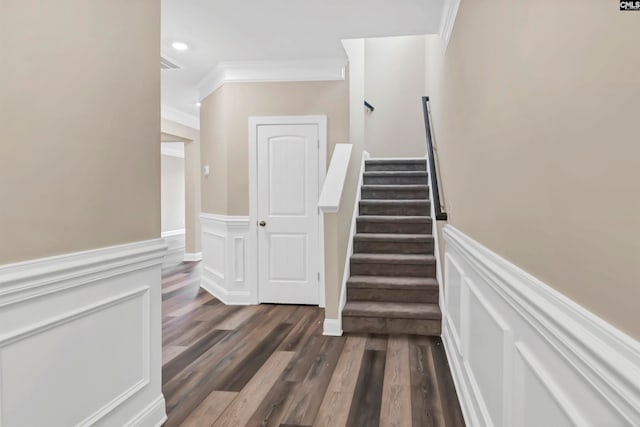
(288, 253)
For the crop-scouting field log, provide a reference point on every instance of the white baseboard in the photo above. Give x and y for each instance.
(523, 354)
(154, 415)
(227, 259)
(82, 333)
(332, 327)
(193, 257)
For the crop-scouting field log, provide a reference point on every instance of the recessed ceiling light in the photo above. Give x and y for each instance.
(198, 104)
(179, 46)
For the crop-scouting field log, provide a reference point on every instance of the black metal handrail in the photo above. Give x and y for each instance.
(433, 173)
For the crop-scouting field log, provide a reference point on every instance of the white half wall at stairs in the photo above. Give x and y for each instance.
(227, 261)
(80, 339)
(333, 327)
(522, 354)
(175, 241)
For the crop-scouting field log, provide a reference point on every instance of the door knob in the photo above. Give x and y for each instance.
(262, 223)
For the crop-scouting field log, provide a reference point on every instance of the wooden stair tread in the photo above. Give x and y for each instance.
(392, 282)
(396, 310)
(392, 237)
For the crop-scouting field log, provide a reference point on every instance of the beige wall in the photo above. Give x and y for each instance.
(172, 193)
(224, 129)
(224, 125)
(172, 131)
(80, 109)
(394, 84)
(213, 153)
(536, 117)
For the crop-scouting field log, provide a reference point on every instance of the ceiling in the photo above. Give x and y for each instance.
(275, 30)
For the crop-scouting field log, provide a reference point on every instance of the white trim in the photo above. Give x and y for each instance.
(331, 194)
(22, 281)
(271, 71)
(61, 300)
(465, 395)
(171, 152)
(449, 14)
(436, 237)
(551, 384)
(332, 327)
(599, 365)
(153, 415)
(175, 115)
(193, 257)
(229, 220)
(173, 233)
(171, 60)
(254, 122)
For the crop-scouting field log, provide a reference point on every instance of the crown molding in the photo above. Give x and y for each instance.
(272, 71)
(449, 14)
(186, 119)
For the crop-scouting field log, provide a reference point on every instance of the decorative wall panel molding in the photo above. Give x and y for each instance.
(226, 259)
(522, 354)
(80, 338)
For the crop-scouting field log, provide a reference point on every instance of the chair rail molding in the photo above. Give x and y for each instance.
(226, 256)
(193, 257)
(271, 71)
(82, 333)
(521, 353)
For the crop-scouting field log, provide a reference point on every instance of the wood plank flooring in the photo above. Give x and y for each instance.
(270, 365)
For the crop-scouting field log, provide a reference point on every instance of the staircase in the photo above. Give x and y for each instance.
(392, 288)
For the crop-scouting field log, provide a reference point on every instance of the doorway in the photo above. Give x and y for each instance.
(289, 168)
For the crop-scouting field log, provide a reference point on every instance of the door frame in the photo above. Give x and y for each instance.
(254, 122)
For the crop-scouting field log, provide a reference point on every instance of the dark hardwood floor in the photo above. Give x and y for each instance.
(270, 365)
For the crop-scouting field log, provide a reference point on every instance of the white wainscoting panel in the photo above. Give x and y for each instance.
(175, 241)
(225, 259)
(80, 339)
(524, 355)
